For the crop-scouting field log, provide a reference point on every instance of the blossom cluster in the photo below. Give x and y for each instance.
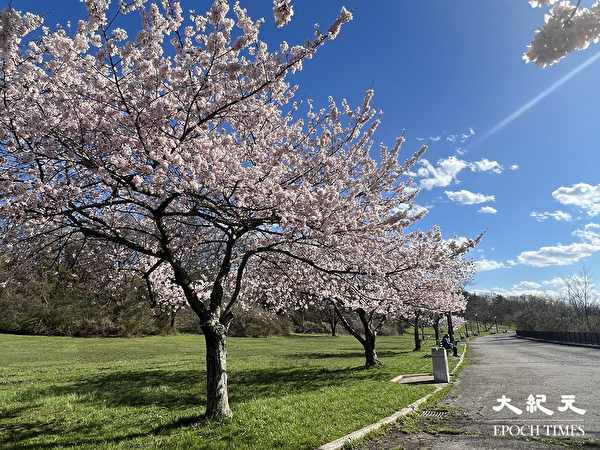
(179, 154)
(566, 28)
(283, 12)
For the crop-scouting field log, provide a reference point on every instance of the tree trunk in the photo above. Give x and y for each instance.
(401, 327)
(214, 322)
(333, 321)
(371, 358)
(416, 334)
(368, 342)
(436, 328)
(173, 319)
(450, 328)
(217, 400)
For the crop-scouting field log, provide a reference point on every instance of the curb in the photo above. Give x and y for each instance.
(460, 361)
(339, 443)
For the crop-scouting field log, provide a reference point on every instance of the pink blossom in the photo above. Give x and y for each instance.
(283, 12)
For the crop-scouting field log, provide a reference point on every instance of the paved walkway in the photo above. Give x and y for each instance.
(505, 365)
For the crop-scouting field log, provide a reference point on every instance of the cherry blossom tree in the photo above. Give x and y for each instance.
(566, 28)
(439, 287)
(403, 276)
(182, 150)
(434, 319)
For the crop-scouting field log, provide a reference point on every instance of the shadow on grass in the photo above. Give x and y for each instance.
(276, 382)
(126, 388)
(186, 388)
(173, 390)
(53, 435)
(344, 355)
(13, 413)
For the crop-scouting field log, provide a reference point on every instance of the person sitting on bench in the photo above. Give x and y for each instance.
(447, 344)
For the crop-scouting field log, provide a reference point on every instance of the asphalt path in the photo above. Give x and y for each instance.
(504, 366)
(517, 368)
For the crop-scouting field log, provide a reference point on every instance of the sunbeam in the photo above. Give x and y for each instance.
(534, 100)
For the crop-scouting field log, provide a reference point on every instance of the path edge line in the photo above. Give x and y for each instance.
(340, 442)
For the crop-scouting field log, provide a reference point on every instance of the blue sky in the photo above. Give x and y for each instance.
(453, 72)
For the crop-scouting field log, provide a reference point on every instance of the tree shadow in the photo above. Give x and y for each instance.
(127, 388)
(13, 413)
(186, 388)
(18, 435)
(276, 382)
(174, 390)
(353, 354)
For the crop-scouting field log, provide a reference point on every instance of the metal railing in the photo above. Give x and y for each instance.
(563, 337)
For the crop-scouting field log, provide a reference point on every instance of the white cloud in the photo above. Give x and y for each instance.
(556, 215)
(461, 151)
(559, 255)
(554, 282)
(461, 137)
(582, 195)
(430, 139)
(514, 167)
(485, 265)
(488, 210)
(518, 290)
(465, 197)
(447, 169)
(459, 240)
(542, 289)
(526, 285)
(442, 175)
(587, 235)
(526, 292)
(562, 255)
(417, 209)
(591, 225)
(422, 172)
(554, 288)
(485, 165)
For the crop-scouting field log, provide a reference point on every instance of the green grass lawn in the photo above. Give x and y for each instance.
(285, 392)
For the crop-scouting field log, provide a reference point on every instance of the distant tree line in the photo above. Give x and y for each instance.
(58, 303)
(573, 307)
(54, 298)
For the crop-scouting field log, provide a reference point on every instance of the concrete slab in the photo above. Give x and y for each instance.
(418, 378)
